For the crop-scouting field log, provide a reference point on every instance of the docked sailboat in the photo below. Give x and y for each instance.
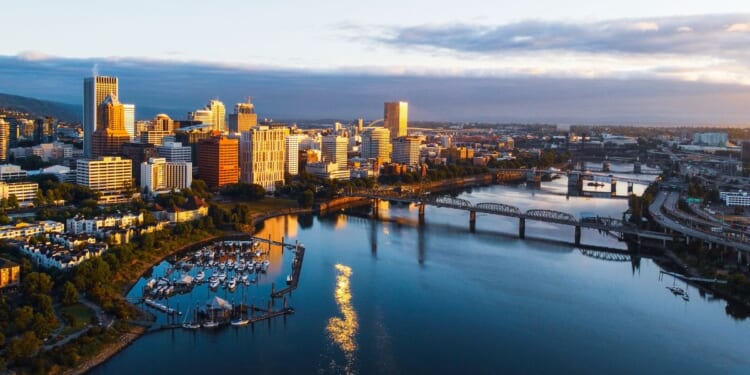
(214, 283)
(200, 276)
(264, 266)
(232, 283)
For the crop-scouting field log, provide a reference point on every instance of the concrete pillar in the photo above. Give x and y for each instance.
(421, 214)
(630, 188)
(472, 221)
(613, 190)
(578, 235)
(375, 208)
(739, 257)
(522, 228)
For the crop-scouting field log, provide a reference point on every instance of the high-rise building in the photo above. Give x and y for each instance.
(291, 160)
(213, 114)
(163, 122)
(4, 140)
(376, 144)
(44, 130)
(334, 150)
(192, 135)
(110, 131)
(219, 114)
(159, 175)
(243, 118)
(175, 151)
(138, 153)
(155, 137)
(262, 154)
(112, 176)
(406, 151)
(218, 161)
(95, 90)
(129, 119)
(396, 118)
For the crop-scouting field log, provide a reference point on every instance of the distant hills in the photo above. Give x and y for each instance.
(36, 107)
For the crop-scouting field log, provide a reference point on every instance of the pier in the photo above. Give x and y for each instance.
(299, 256)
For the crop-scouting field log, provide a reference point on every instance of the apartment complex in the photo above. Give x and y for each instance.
(159, 175)
(112, 176)
(262, 156)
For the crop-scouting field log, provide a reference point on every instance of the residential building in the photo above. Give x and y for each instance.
(95, 90)
(406, 151)
(26, 230)
(262, 155)
(10, 274)
(291, 158)
(175, 151)
(53, 151)
(715, 139)
(218, 161)
(195, 209)
(54, 255)
(159, 175)
(243, 118)
(334, 150)
(82, 225)
(25, 192)
(110, 131)
(376, 144)
(138, 153)
(112, 176)
(396, 118)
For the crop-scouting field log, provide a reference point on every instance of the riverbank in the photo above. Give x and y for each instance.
(108, 351)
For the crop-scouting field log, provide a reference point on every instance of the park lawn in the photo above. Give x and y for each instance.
(82, 315)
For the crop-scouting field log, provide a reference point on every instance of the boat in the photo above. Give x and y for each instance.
(222, 265)
(264, 266)
(232, 283)
(676, 290)
(240, 322)
(685, 297)
(198, 254)
(288, 279)
(214, 283)
(222, 277)
(211, 323)
(200, 276)
(244, 277)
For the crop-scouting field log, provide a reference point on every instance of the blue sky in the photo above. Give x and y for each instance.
(575, 61)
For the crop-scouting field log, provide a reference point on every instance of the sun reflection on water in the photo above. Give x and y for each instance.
(342, 331)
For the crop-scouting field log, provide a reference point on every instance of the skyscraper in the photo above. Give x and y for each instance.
(243, 118)
(219, 114)
(218, 161)
(291, 160)
(334, 150)
(110, 131)
(396, 118)
(376, 144)
(129, 119)
(406, 151)
(4, 140)
(163, 122)
(95, 90)
(175, 151)
(262, 155)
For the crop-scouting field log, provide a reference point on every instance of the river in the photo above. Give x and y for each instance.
(391, 296)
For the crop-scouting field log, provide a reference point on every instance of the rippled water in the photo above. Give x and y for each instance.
(394, 297)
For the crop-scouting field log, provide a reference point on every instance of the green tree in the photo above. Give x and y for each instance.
(37, 283)
(23, 346)
(306, 198)
(69, 294)
(22, 318)
(13, 201)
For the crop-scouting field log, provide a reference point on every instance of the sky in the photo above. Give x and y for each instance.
(582, 61)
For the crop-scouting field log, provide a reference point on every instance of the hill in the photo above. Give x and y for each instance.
(36, 107)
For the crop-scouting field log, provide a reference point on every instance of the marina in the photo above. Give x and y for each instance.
(221, 284)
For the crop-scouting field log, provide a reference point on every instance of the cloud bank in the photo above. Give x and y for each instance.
(176, 88)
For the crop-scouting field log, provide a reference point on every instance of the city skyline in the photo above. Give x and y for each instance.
(617, 63)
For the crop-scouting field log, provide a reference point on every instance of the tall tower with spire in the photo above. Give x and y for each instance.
(110, 131)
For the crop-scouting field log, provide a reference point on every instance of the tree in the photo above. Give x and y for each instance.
(306, 198)
(13, 201)
(22, 317)
(37, 283)
(24, 346)
(69, 294)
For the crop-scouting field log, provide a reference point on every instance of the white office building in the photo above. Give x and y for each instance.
(160, 176)
(175, 152)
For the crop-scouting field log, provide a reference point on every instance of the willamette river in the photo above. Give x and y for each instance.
(393, 297)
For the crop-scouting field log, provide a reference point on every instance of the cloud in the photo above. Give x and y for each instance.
(705, 35)
(176, 88)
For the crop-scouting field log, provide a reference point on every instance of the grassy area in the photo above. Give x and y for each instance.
(262, 206)
(81, 314)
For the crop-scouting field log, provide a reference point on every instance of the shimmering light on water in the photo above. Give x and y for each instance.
(343, 331)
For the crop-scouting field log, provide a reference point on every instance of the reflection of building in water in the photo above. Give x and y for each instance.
(285, 227)
(340, 221)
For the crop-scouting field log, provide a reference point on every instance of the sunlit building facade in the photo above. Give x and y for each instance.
(243, 118)
(396, 118)
(95, 90)
(110, 131)
(112, 176)
(376, 144)
(218, 161)
(262, 156)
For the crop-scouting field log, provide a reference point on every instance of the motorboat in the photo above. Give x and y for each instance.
(232, 283)
(288, 279)
(214, 283)
(222, 277)
(200, 276)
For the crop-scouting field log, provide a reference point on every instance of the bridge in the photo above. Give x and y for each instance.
(608, 177)
(601, 223)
